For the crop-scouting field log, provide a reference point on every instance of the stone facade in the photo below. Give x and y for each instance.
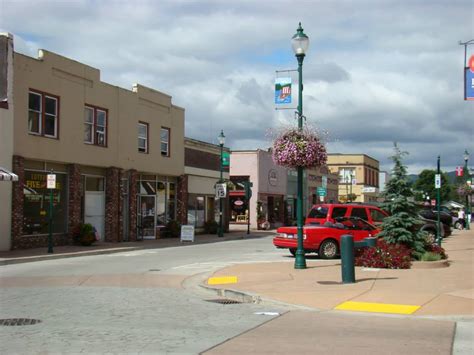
(75, 197)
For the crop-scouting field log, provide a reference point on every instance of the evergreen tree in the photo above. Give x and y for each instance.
(402, 226)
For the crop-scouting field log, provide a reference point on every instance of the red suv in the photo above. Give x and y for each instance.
(328, 212)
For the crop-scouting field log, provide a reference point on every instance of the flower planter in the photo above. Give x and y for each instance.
(430, 264)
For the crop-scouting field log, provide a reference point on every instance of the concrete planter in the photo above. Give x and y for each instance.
(429, 264)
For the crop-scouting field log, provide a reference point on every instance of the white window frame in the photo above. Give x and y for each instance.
(166, 142)
(142, 138)
(346, 175)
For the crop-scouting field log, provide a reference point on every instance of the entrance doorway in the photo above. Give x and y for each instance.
(94, 211)
(147, 216)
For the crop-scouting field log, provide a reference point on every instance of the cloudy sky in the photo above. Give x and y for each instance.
(377, 71)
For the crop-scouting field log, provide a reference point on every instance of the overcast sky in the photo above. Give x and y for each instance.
(376, 71)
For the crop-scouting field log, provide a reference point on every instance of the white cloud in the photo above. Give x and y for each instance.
(376, 72)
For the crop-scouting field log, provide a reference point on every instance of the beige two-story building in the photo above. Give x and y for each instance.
(118, 154)
(358, 176)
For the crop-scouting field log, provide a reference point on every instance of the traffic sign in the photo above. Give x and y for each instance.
(51, 181)
(438, 181)
(221, 190)
(321, 191)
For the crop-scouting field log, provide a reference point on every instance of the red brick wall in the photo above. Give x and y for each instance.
(18, 167)
(132, 204)
(112, 204)
(74, 197)
(182, 200)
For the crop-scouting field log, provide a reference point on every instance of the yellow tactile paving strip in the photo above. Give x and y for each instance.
(377, 307)
(222, 280)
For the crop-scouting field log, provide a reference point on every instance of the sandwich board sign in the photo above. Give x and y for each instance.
(187, 233)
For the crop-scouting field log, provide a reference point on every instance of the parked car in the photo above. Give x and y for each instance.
(430, 226)
(445, 218)
(325, 239)
(328, 212)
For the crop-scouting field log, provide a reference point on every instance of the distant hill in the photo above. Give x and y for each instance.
(451, 177)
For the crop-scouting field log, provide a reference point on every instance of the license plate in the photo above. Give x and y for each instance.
(290, 236)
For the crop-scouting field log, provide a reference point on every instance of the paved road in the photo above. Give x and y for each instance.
(149, 302)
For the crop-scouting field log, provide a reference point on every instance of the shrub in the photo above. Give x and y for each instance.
(429, 256)
(84, 234)
(171, 230)
(435, 248)
(210, 227)
(384, 255)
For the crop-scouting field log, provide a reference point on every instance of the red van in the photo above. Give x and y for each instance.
(328, 212)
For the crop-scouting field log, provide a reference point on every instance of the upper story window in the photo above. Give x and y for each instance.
(165, 141)
(346, 175)
(43, 118)
(95, 126)
(143, 137)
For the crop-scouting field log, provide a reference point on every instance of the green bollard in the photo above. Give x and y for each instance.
(347, 259)
(370, 242)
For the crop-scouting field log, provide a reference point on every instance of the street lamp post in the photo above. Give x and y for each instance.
(221, 139)
(300, 43)
(468, 196)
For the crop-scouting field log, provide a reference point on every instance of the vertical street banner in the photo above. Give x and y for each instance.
(282, 91)
(469, 80)
(286, 90)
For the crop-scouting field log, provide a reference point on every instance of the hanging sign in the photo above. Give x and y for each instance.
(438, 181)
(469, 80)
(282, 91)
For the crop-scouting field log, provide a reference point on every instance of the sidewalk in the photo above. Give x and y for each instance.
(68, 251)
(443, 291)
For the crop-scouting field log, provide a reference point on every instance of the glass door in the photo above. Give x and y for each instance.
(147, 216)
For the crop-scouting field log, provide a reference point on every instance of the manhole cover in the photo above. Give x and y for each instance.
(224, 301)
(18, 321)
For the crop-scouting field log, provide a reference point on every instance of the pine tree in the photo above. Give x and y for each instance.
(402, 226)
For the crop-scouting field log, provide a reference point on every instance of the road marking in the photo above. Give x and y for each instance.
(222, 280)
(377, 307)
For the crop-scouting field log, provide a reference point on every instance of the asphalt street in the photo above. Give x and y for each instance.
(150, 302)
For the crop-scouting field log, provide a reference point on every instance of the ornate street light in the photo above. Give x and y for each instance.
(300, 44)
(468, 196)
(221, 139)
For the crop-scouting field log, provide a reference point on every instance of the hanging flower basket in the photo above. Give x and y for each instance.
(294, 148)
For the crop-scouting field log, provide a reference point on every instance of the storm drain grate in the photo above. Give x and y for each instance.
(18, 321)
(224, 301)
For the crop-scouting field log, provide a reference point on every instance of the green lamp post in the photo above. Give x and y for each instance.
(468, 196)
(221, 139)
(300, 44)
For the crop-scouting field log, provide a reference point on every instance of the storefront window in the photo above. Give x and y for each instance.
(196, 210)
(171, 200)
(161, 203)
(37, 203)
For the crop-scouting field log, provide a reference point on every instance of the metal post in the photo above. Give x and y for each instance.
(347, 259)
(438, 202)
(221, 230)
(50, 227)
(300, 260)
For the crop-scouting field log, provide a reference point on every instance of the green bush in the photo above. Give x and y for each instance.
(429, 256)
(84, 234)
(210, 227)
(172, 230)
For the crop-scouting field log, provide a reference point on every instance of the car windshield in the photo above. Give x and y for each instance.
(318, 212)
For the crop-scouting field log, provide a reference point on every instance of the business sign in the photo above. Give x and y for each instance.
(469, 80)
(437, 181)
(187, 233)
(369, 189)
(282, 91)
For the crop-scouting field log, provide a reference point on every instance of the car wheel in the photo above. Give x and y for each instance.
(293, 251)
(328, 249)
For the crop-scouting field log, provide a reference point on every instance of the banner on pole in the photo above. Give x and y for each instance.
(282, 91)
(469, 80)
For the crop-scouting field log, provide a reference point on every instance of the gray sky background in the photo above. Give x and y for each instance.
(376, 71)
